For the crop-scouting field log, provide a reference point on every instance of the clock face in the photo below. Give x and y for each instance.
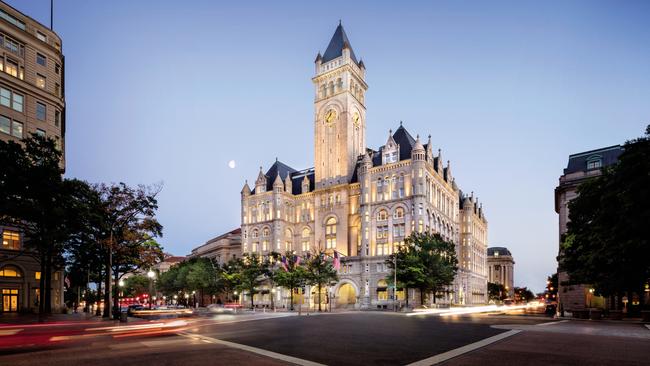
(330, 116)
(355, 119)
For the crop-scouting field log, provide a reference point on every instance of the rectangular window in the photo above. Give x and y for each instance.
(17, 129)
(11, 45)
(5, 125)
(18, 102)
(57, 118)
(37, 275)
(40, 132)
(57, 89)
(11, 68)
(41, 111)
(11, 19)
(42, 37)
(5, 97)
(57, 68)
(10, 240)
(40, 81)
(41, 60)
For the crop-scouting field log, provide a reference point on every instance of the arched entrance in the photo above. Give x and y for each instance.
(346, 295)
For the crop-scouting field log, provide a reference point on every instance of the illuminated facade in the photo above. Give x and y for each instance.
(31, 101)
(363, 202)
(501, 268)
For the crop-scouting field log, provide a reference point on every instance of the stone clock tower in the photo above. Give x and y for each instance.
(339, 112)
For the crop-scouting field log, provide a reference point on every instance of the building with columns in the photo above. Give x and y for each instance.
(363, 202)
(501, 268)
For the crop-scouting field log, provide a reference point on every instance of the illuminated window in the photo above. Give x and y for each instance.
(306, 233)
(10, 271)
(382, 249)
(40, 81)
(37, 275)
(330, 233)
(382, 215)
(11, 68)
(255, 233)
(266, 232)
(255, 247)
(399, 213)
(265, 245)
(382, 290)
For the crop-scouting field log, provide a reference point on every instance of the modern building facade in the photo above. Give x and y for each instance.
(31, 101)
(363, 202)
(501, 268)
(580, 168)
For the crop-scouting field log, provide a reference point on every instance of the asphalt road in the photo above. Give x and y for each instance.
(358, 338)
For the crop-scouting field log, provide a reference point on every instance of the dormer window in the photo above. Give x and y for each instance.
(594, 162)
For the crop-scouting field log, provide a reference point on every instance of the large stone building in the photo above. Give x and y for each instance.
(31, 101)
(363, 202)
(221, 249)
(580, 168)
(501, 268)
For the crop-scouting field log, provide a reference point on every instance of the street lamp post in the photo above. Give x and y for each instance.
(151, 274)
(395, 283)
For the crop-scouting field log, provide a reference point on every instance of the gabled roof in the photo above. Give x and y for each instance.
(335, 48)
(405, 141)
(298, 177)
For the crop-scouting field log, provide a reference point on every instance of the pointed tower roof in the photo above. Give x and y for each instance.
(337, 43)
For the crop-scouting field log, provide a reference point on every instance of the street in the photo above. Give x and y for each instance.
(350, 338)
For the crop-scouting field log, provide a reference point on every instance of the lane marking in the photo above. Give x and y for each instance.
(442, 357)
(259, 351)
(551, 323)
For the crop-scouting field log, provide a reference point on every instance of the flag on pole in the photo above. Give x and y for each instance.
(284, 263)
(296, 260)
(337, 261)
(67, 281)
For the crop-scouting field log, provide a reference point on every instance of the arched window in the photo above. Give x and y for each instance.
(266, 232)
(10, 271)
(306, 234)
(339, 84)
(382, 215)
(330, 233)
(255, 233)
(331, 88)
(398, 213)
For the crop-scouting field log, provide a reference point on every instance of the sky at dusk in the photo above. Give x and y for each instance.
(171, 91)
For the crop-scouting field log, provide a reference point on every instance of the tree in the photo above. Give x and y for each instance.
(49, 210)
(228, 278)
(523, 294)
(202, 277)
(426, 262)
(251, 274)
(497, 291)
(607, 244)
(292, 275)
(320, 272)
(551, 287)
(129, 227)
(136, 285)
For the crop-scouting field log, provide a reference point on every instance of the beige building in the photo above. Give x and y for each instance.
(31, 101)
(580, 168)
(501, 268)
(363, 202)
(221, 249)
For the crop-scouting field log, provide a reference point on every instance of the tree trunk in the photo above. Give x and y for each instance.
(99, 294)
(116, 298)
(434, 296)
(291, 306)
(406, 296)
(319, 300)
(41, 290)
(107, 284)
(47, 299)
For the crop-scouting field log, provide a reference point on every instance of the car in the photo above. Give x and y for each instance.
(219, 309)
(134, 307)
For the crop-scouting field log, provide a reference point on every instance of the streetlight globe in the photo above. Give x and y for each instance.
(121, 283)
(187, 296)
(151, 274)
(175, 297)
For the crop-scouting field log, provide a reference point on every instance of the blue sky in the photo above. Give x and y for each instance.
(171, 91)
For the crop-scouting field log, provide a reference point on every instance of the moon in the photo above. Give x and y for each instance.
(232, 164)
